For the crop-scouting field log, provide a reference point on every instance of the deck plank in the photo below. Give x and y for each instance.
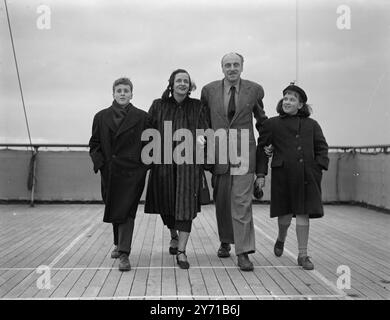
(154, 280)
(210, 279)
(329, 256)
(41, 251)
(30, 237)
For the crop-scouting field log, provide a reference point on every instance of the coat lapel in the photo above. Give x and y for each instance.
(130, 121)
(220, 109)
(108, 119)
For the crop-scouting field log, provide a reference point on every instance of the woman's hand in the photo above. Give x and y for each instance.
(269, 150)
(260, 182)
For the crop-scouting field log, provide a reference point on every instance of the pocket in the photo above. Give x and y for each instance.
(204, 190)
(276, 163)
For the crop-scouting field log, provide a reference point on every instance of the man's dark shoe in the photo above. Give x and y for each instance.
(244, 263)
(278, 248)
(305, 263)
(224, 250)
(124, 263)
(115, 253)
(173, 245)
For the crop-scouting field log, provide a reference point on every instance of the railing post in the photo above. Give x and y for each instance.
(337, 175)
(34, 164)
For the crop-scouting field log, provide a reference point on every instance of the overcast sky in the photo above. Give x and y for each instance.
(68, 70)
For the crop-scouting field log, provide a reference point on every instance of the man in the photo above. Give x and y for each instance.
(115, 149)
(232, 103)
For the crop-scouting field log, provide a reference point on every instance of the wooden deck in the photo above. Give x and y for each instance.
(75, 245)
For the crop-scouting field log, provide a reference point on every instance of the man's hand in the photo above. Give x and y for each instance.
(269, 150)
(201, 140)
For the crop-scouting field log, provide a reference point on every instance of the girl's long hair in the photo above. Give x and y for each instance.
(169, 90)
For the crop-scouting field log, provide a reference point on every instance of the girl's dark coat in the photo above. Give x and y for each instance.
(300, 154)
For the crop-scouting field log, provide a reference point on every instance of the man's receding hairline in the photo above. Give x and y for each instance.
(233, 53)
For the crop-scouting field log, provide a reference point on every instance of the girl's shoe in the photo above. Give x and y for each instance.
(305, 263)
(278, 248)
(173, 245)
(182, 264)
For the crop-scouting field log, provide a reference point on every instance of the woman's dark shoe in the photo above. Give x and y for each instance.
(173, 245)
(182, 264)
(305, 263)
(278, 248)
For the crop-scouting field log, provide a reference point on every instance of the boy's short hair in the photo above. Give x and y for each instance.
(125, 81)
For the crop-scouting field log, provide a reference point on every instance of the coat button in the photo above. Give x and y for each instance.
(297, 136)
(299, 148)
(300, 160)
(114, 156)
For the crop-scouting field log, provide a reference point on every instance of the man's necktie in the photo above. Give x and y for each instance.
(232, 103)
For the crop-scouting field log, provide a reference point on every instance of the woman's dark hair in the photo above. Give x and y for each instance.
(305, 111)
(169, 90)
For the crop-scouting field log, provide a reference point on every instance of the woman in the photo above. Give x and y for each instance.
(173, 189)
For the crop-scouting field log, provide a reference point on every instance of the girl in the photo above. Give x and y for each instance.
(299, 156)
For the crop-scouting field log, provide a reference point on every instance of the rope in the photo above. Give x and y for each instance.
(17, 72)
(297, 42)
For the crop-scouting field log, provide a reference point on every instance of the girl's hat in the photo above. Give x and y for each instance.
(293, 87)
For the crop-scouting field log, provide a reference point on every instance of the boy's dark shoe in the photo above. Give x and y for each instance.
(278, 248)
(224, 250)
(305, 263)
(244, 263)
(124, 263)
(115, 253)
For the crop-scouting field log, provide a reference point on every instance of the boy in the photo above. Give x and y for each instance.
(115, 149)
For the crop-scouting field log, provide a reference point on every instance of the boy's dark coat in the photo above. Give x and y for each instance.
(116, 152)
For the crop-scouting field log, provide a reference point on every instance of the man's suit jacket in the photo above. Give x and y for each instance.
(249, 102)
